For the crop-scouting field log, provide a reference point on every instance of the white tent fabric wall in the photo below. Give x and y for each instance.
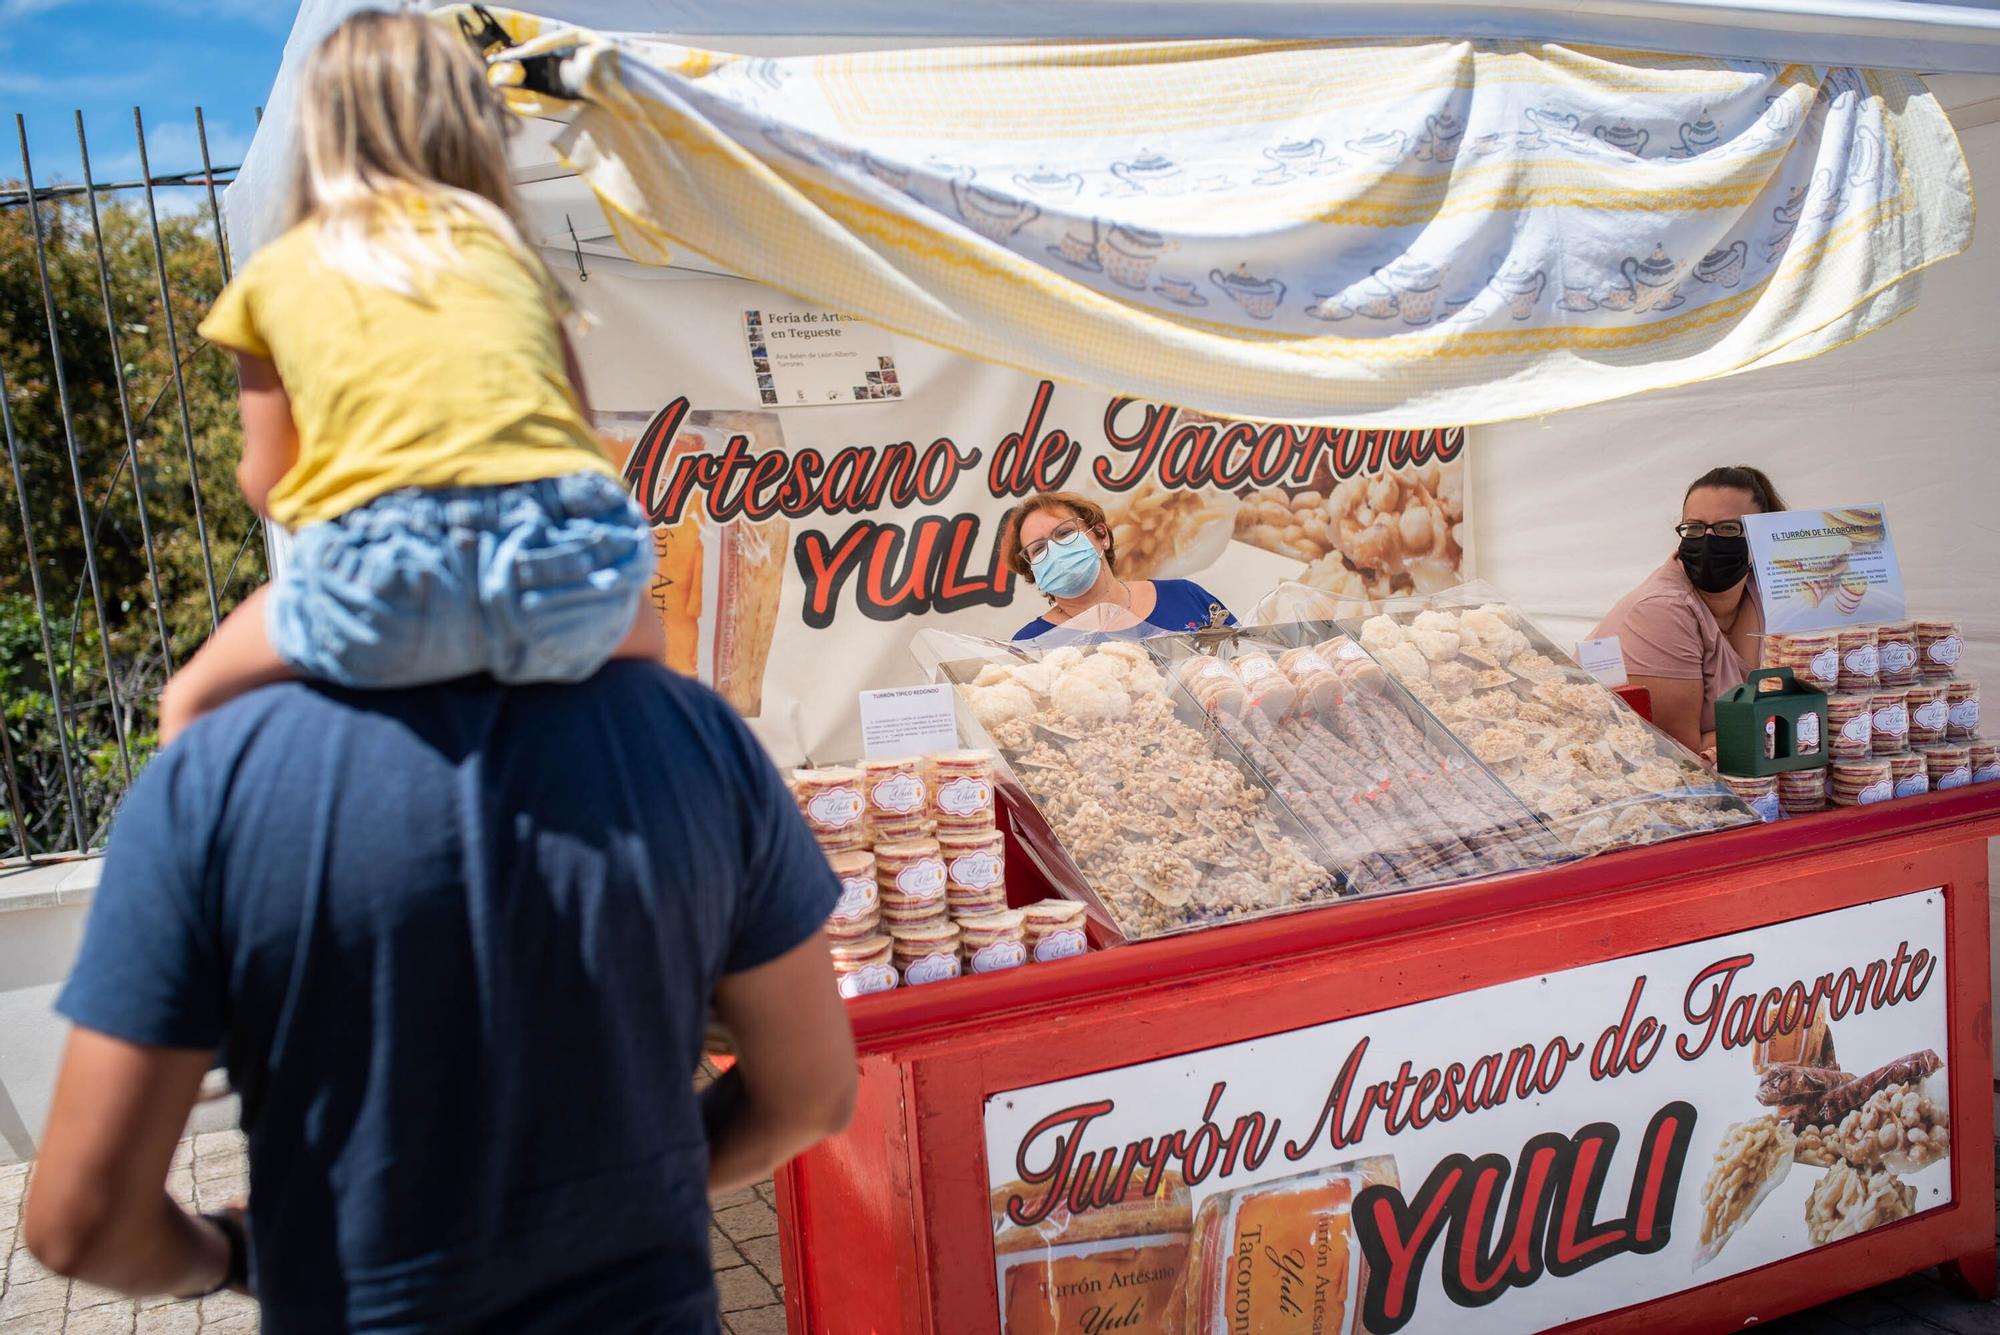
(1575, 509)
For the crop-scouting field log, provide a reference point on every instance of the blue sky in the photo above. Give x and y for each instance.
(164, 56)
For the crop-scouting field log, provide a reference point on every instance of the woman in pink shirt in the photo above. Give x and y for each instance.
(1692, 630)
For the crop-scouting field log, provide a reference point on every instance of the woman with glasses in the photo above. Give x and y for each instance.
(1061, 543)
(1692, 630)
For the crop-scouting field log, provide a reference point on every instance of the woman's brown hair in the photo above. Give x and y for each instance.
(1091, 513)
(1741, 477)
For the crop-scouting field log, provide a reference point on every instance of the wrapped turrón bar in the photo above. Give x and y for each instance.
(1404, 788)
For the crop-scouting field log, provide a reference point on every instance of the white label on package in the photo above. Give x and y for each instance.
(977, 871)
(965, 797)
(899, 796)
(907, 720)
(1602, 659)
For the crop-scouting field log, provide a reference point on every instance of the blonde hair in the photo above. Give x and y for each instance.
(394, 111)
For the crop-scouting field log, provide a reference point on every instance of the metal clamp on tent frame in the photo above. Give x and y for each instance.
(541, 74)
(1216, 633)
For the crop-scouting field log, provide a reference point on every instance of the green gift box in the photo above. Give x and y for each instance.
(1762, 730)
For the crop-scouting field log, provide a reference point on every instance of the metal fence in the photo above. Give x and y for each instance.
(130, 549)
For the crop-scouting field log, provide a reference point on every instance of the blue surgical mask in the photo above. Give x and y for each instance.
(1067, 568)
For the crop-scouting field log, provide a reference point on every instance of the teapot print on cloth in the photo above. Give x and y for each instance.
(806, 147)
(765, 74)
(892, 174)
(1387, 147)
(1077, 246)
(1787, 217)
(1773, 129)
(1577, 295)
(1442, 135)
(1128, 254)
(1042, 181)
(1149, 173)
(1723, 266)
(1413, 289)
(1624, 137)
(1330, 306)
(1295, 159)
(1180, 291)
(1650, 284)
(1697, 137)
(1519, 288)
(990, 213)
(1259, 297)
(1867, 158)
(1546, 125)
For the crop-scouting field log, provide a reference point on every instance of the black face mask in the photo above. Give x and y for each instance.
(1714, 565)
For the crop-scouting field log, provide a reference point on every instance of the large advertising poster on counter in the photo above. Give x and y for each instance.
(824, 490)
(1503, 1160)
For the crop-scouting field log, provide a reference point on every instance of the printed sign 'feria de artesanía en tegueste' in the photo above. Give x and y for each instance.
(1504, 1160)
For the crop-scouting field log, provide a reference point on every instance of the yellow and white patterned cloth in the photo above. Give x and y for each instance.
(1379, 234)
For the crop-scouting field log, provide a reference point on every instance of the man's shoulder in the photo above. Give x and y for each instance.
(639, 697)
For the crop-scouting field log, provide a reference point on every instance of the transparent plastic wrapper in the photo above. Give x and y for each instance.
(1188, 780)
(1594, 772)
(1390, 792)
(1120, 795)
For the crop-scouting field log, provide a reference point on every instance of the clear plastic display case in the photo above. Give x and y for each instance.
(1181, 781)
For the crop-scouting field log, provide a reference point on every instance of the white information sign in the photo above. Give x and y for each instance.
(1603, 659)
(1818, 569)
(1510, 1159)
(908, 721)
(802, 357)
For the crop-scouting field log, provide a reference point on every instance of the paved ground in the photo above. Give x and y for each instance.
(209, 1172)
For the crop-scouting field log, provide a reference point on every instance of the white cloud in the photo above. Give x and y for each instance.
(172, 146)
(14, 10)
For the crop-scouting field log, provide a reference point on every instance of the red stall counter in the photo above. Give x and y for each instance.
(1678, 1087)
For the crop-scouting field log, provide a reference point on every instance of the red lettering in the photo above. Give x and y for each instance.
(1722, 974)
(826, 569)
(1574, 1242)
(1397, 1239)
(1143, 444)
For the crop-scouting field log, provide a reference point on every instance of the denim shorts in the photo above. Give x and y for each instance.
(536, 581)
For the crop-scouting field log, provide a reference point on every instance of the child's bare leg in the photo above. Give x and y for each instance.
(236, 659)
(647, 638)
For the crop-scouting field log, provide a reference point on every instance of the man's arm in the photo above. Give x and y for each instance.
(793, 1082)
(98, 1209)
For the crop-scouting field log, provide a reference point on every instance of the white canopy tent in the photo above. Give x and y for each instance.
(1905, 417)
(1926, 386)
(1917, 35)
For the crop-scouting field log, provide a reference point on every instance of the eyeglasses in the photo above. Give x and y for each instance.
(1722, 528)
(1062, 532)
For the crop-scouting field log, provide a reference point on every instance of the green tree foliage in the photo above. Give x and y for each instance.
(130, 634)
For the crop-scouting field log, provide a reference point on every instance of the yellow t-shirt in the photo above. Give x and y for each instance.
(462, 388)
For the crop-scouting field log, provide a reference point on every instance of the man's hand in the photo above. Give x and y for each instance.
(794, 1078)
(98, 1208)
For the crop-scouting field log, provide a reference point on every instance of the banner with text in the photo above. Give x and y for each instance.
(1577, 1143)
(825, 490)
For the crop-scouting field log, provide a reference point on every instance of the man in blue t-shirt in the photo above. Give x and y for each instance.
(457, 947)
